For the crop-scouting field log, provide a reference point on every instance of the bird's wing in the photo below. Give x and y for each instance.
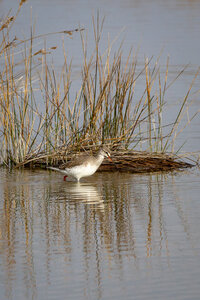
(75, 161)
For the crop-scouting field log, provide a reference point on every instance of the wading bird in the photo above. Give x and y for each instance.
(83, 165)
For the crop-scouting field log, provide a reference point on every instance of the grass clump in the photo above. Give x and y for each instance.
(41, 122)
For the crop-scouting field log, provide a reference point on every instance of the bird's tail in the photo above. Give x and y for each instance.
(57, 169)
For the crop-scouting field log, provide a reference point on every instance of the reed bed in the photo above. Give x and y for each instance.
(122, 161)
(42, 124)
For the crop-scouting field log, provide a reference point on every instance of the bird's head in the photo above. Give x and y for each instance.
(104, 151)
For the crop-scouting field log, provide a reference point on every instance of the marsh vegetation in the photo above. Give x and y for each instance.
(42, 121)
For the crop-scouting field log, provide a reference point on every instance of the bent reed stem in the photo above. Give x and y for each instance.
(107, 108)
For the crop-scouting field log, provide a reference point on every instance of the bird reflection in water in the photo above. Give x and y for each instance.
(85, 193)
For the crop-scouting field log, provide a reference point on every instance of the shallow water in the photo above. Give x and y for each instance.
(112, 236)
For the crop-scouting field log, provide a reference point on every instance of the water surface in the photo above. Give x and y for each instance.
(112, 236)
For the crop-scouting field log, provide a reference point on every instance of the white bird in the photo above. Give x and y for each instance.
(83, 165)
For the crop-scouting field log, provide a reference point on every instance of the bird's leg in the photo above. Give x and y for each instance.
(65, 177)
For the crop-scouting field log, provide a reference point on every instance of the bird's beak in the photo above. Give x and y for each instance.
(109, 158)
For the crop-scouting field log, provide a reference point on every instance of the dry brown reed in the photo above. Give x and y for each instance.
(105, 110)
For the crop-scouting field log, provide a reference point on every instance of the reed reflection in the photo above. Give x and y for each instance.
(16, 252)
(47, 224)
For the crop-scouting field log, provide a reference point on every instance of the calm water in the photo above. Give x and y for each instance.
(113, 236)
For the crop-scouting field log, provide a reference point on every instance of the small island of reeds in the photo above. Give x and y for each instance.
(44, 123)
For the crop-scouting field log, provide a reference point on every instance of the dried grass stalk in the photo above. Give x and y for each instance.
(103, 111)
